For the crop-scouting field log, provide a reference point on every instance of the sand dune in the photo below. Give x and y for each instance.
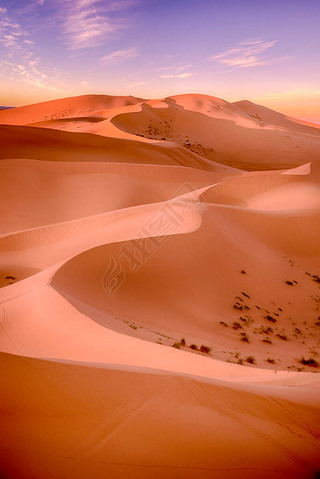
(265, 116)
(255, 145)
(159, 301)
(29, 193)
(179, 268)
(51, 145)
(128, 433)
(64, 108)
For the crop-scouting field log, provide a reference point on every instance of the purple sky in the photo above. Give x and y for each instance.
(265, 51)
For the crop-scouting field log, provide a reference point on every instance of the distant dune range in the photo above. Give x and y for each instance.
(160, 290)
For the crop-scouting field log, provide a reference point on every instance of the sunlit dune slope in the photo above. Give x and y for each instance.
(265, 116)
(124, 422)
(241, 134)
(224, 133)
(269, 192)
(78, 106)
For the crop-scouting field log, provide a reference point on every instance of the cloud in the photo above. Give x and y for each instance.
(85, 28)
(11, 32)
(176, 68)
(88, 23)
(118, 5)
(19, 61)
(177, 71)
(120, 55)
(178, 75)
(136, 84)
(246, 54)
(32, 73)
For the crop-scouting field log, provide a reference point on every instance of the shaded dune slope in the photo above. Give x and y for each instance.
(52, 145)
(39, 193)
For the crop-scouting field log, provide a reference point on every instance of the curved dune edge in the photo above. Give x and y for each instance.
(87, 189)
(85, 242)
(148, 298)
(286, 191)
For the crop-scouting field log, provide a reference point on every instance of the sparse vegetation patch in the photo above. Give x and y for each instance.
(244, 338)
(251, 359)
(205, 349)
(309, 362)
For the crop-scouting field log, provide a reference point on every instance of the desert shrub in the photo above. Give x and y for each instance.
(176, 345)
(236, 325)
(244, 337)
(238, 306)
(309, 362)
(267, 330)
(267, 340)
(270, 360)
(194, 346)
(250, 359)
(270, 318)
(205, 349)
(282, 336)
(183, 342)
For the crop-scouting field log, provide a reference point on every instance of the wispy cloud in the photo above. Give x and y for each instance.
(120, 55)
(118, 5)
(246, 54)
(176, 68)
(31, 74)
(19, 60)
(136, 84)
(11, 32)
(178, 75)
(177, 71)
(84, 27)
(89, 23)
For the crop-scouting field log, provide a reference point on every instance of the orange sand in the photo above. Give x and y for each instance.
(128, 225)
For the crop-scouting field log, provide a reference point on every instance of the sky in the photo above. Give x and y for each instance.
(266, 51)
